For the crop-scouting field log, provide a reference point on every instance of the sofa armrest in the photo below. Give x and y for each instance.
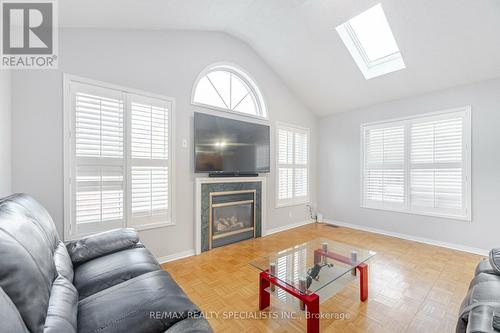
(98, 245)
(494, 259)
(482, 319)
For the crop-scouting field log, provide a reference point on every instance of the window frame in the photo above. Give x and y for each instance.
(245, 77)
(280, 203)
(69, 157)
(466, 113)
(370, 68)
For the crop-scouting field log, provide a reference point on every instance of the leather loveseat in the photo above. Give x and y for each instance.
(480, 310)
(102, 283)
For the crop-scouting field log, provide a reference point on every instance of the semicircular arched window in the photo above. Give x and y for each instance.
(228, 88)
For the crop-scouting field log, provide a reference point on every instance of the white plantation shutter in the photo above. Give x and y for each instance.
(149, 191)
(99, 194)
(149, 159)
(118, 158)
(300, 183)
(384, 167)
(419, 165)
(99, 158)
(99, 123)
(293, 165)
(437, 181)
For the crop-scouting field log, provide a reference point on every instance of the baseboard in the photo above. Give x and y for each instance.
(192, 252)
(287, 227)
(429, 241)
(176, 256)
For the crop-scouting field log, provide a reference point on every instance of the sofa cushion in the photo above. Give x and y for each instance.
(104, 243)
(151, 303)
(191, 325)
(27, 269)
(10, 318)
(63, 307)
(104, 272)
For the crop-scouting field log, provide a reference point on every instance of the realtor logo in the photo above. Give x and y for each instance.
(29, 34)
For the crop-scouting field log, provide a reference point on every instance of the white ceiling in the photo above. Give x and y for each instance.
(444, 43)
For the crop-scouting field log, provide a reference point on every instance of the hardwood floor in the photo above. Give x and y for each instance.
(413, 287)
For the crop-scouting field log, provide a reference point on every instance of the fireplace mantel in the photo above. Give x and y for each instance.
(199, 181)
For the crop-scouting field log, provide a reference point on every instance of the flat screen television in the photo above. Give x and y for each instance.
(225, 146)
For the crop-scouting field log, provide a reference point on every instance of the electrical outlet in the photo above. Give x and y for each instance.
(184, 143)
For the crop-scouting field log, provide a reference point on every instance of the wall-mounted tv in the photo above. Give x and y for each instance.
(227, 146)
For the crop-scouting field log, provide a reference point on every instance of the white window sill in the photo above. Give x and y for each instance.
(138, 228)
(462, 218)
(292, 203)
(153, 226)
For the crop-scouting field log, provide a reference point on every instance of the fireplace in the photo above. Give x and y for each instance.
(228, 210)
(231, 217)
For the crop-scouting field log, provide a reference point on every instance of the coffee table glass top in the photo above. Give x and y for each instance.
(305, 264)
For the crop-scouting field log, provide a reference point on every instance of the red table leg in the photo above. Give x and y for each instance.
(311, 300)
(312, 314)
(317, 256)
(264, 296)
(363, 281)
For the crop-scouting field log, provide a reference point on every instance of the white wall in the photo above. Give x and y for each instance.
(160, 62)
(5, 133)
(339, 167)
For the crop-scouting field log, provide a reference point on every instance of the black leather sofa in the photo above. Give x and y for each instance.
(480, 310)
(102, 283)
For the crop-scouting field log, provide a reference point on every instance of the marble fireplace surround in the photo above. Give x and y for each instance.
(227, 184)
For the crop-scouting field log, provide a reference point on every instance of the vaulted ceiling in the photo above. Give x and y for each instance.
(444, 43)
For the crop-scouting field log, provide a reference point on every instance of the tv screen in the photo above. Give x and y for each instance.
(223, 145)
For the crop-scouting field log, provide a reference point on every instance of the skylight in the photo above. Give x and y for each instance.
(369, 39)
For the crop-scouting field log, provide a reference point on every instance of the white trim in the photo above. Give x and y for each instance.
(288, 227)
(466, 113)
(154, 225)
(245, 76)
(67, 185)
(80, 79)
(69, 228)
(208, 180)
(453, 246)
(175, 256)
(370, 68)
(419, 115)
(293, 201)
(231, 115)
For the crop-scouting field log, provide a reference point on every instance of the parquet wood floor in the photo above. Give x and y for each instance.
(413, 287)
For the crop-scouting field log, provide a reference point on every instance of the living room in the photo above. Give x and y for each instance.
(257, 166)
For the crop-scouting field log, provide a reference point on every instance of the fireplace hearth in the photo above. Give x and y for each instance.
(231, 217)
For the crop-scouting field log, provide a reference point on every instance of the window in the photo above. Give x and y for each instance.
(292, 165)
(227, 88)
(370, 41)
(117, 158)
(419, 165)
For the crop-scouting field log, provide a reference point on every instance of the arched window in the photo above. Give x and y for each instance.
(228, 88)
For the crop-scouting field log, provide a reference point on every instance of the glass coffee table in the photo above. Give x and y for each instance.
(309, 270)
